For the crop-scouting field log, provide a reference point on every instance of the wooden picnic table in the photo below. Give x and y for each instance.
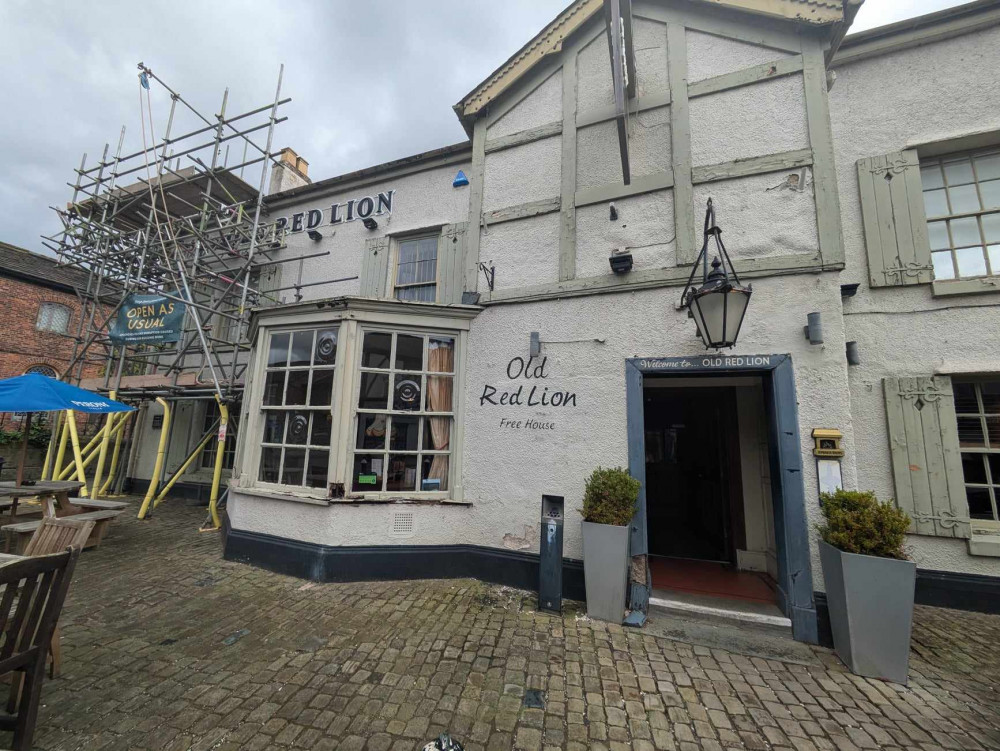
(6, 558)
(47, 491)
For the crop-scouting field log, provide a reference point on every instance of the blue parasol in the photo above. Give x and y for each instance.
(39, 393)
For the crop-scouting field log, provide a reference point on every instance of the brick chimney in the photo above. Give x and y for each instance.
(291, 171)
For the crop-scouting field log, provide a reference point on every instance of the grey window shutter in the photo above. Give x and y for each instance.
(892, 212)
(926, 463)
(375, 267)
(451, 263)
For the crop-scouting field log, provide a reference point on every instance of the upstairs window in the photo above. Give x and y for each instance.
(45, 370)
(416, 269)
(962, 201)
(53, 317)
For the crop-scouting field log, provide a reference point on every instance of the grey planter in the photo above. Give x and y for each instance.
(605, 570)
(871, 611)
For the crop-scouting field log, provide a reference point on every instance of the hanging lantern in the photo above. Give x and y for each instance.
(719, 304)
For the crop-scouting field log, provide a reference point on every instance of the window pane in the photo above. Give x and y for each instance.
(407, 252)
(270, 459)
(937, 233)
(278, 353)
(964, 199)
(944, 265)
(295, 464)
(991, 397)
(402, 473)
(374, 391)
(439, 391)
(930, 177)
(958, 171)
(441, 355)
(298, 383)
(966, 402)
(409, 352)
(302, 343)
(988, 166)
(437, 433)
(993, 431)
(935, 202)
(424, 293)
(404, 433)
(316, 471)
(979, 503)
(965, 232)
(974, 468)
(274, 386)
(322, 388)
(326, 347)
(990, 191)
(375, 350)
(298, 429)
(994, 462)
(371, 431)
(970, 431)
(991, 227)
(274, 427)
(994, 251)
(971, 261)
(406, 393)
(434, 473)
(367, 476)
(321, 429)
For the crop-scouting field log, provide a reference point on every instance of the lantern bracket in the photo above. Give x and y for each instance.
(711, 230)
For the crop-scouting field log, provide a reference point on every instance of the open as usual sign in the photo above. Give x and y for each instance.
(148, 318)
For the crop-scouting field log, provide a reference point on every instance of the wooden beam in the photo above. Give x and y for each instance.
(524, 136)
(758, 165)
(675, 276)
(613, 191)
(607, 112)
(476, 173)
(761, 32)
(831, 239)
(522, 211)
(680, 144)
(567, 214)
(763, 72)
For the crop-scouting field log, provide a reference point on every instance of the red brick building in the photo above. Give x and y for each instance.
(40, 313)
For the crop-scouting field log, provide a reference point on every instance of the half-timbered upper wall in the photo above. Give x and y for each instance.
(728, 106)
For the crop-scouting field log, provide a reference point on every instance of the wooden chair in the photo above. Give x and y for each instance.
(54, 536)
(33, 593)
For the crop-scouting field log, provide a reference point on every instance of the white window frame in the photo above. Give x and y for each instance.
(992, 483)
(395, 241)
(358, 411)
(351, 314)
(51, 306)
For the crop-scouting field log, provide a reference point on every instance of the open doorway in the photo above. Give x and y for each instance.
(710, 525)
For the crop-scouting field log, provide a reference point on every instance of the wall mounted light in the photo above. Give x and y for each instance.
(719, 304)
(621, 261)
(315, 234)
(613, 212)
(814, 328)
(535, 344)
(369, 223)
(853, 356)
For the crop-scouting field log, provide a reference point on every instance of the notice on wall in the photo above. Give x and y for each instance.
(148, 318)
(527, 385)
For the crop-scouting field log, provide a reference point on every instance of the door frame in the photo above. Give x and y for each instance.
(791, 525)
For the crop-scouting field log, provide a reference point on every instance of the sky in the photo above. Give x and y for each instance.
(369, 82)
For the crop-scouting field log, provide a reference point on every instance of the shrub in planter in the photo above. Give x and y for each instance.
(869, 582)
(610, 500)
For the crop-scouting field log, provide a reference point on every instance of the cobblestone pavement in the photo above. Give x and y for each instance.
(167, 646)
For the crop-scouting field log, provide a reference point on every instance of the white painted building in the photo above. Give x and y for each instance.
(395, 423)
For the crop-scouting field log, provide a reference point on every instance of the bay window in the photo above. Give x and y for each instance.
(359, 402)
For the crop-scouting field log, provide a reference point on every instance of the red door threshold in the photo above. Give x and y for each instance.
(709, 578)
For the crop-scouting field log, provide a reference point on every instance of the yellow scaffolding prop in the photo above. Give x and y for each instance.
(78, 455)
(220, 450)
(161, 449)
(120, 431)
(90, 452)
(57, 441)
(187, 463)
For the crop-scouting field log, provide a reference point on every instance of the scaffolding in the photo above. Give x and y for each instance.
(174, 219)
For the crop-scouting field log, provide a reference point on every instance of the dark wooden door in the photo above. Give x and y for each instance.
(689, 463)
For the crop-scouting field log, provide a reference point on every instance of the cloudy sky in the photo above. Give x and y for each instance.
(369, 81)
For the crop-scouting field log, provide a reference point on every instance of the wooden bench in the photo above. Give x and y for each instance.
(89, 503)
(16, 536)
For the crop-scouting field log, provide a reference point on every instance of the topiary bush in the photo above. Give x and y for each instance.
(856, 522)
(611, 496)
